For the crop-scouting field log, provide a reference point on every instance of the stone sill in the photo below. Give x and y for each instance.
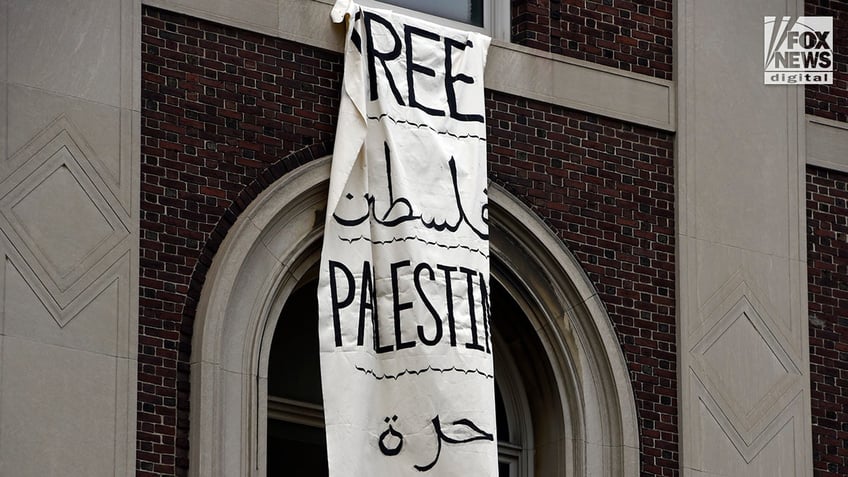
(511, 69)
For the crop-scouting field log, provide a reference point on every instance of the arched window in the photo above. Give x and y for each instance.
(295, 418)
(565, 399)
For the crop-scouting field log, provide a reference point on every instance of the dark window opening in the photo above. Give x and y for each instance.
(296, 438)
(470, 11)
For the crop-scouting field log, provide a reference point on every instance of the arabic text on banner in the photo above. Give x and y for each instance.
(406, 354)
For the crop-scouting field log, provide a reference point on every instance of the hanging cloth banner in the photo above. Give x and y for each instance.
(406, 355)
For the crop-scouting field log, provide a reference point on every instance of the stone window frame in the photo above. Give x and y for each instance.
(275, 243)
(496, 23)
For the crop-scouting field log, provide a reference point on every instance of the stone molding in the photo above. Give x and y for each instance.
(827, 143)
(512, 69)
(742, 303)
(275, 243)
(69, 215)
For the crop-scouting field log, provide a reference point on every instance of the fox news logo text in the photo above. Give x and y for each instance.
(798, 51)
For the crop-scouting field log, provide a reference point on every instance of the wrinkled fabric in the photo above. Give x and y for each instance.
(406, 356)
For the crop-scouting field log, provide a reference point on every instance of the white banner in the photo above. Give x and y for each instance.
(406, 354)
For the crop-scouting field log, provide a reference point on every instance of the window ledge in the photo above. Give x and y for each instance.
(827, 143)
(511, 69)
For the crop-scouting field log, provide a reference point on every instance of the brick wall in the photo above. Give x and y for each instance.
(827, 276)
(226, 112)
(831, 101)
(632, 35)
(607, 189)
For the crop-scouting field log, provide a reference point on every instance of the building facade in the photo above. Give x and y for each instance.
(669, 253)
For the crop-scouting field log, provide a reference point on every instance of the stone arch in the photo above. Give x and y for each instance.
(275, 243)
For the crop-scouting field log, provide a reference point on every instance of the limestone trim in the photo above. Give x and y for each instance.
(511, 69)
(56, 163)
(69, 231)
(827, 143)
(742, 313)
(569, 317)
(275, 244)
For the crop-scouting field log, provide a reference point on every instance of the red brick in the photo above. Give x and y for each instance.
(827, 276)
(596, 31)
(605, 187)
(831, 101)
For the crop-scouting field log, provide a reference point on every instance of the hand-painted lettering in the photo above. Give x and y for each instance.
(451, 79)
(395, 56)
(383, 56)
(353, 297)
(334, 296)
